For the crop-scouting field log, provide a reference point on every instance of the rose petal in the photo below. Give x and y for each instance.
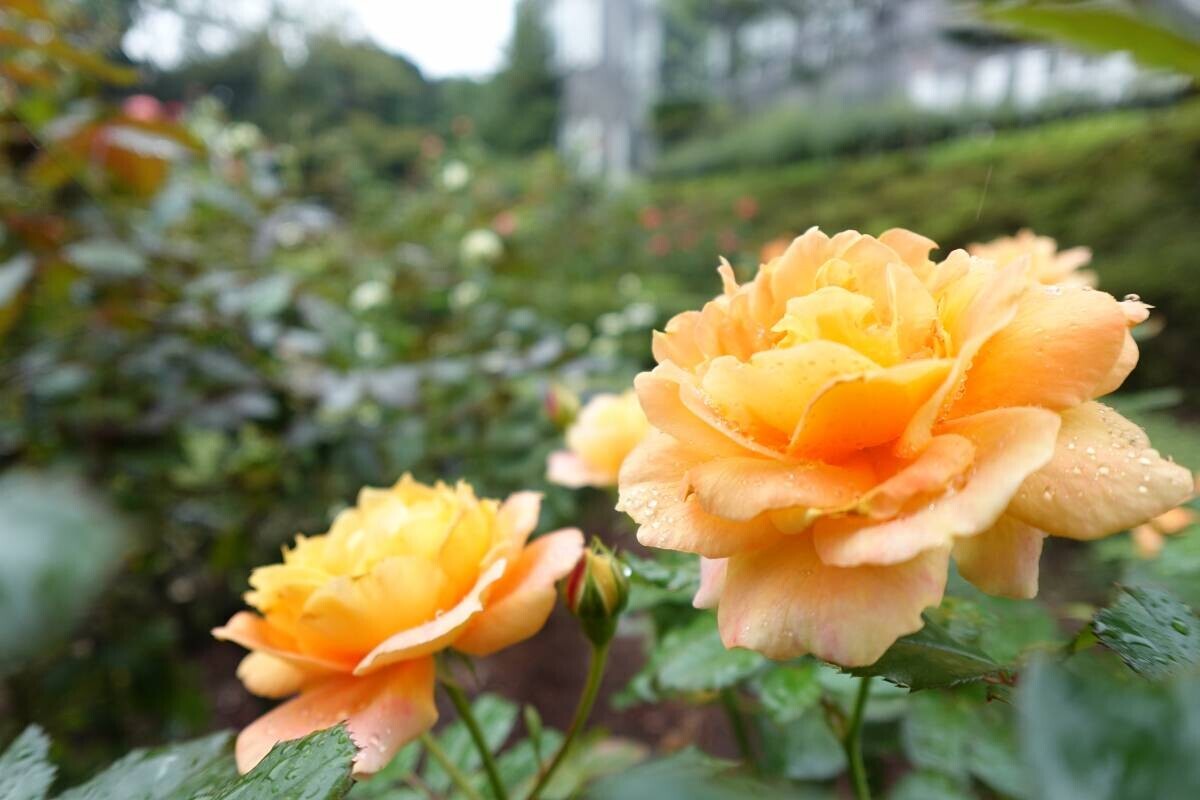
(1104, 478)
(436, 634)
(1061, 345)
(521, 601)
(567, 469)
(974, 306)
(743, 488)
(255, 633)
(383, 712)
(675, 406)
(518, 516)
(940, 464)
(863, 411)
(268, 675)
(349, 615)
(1124, 365)
(767, 395)
(1010, 444)
(712, 581)
(1002, 560)
(655, 492)
(913, 248)
(784, 602)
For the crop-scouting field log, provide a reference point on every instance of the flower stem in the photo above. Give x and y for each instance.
(737, 721)
(439, 755)
(463, 706)
(853, 743)
(582, 711)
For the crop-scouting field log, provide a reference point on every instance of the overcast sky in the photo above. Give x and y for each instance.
(443, 37)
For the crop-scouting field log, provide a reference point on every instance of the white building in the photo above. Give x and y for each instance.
(925, 54)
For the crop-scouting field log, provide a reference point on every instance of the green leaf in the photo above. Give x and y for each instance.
(930, 659)
(519, 764)
(936, 734)
(688, 773)
(106, 257)
(533, 729)
(592, 758)
(25, 772)
(316, 767)
(496, 717)
(1003, 628)
(994, 756)
(1152, 632)
(1087, 731)
(667, 578)
(803, 749)
(788, 691)
(164, 773)
(1103, 28)
(693, 659)
(958, 733)
(60, 545)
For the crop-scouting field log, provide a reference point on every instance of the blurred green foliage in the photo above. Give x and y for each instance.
(227, 361)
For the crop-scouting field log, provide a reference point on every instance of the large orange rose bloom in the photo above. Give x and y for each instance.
(351, 619)
(835, 430)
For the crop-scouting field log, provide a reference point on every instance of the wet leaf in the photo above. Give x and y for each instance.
(316, 767)
(930, 659)
(25, 772)
(1152, 632)
(164, 773)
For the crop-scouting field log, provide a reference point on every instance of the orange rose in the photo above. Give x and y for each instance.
(774, 248)
(607, 429)
(1149, 537)
(352, 618)
(835, 429)
(1047, 264)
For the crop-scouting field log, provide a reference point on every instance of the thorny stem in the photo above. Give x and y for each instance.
(582, 711)
(463, 707)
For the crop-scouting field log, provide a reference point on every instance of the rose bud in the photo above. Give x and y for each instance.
(596, 592)
(562, 405)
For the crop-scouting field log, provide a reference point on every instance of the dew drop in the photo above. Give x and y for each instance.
(1102, 472)
(1142, 490)
(1180, 626)
(1132, 298)
(1047, 495)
